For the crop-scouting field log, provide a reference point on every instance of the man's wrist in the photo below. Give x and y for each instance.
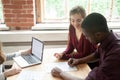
(62, 74)
(83, 60)
(67, 76)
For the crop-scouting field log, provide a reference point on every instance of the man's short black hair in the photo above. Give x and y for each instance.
(95, 22)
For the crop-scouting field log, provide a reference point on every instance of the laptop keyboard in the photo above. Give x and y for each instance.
(29, 59)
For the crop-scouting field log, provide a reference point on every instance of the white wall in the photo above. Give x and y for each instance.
(15, 40)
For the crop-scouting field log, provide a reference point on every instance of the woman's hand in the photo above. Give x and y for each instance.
(26, 52)
(14, 70)
(58, 55)
(56, 72)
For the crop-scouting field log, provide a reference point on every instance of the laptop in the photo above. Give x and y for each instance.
(34, 58)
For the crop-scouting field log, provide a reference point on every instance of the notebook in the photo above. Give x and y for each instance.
(30, 75)
(34, 58)
(62, 65)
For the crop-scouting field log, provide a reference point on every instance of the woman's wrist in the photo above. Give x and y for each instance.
(18, 53)
(5, 74)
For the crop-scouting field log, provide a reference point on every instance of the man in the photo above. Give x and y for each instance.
(14, 69)
(95, 29)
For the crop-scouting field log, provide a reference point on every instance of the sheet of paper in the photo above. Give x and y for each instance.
(62, 65)
(30, 75)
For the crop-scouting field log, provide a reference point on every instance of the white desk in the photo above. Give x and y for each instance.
(82, 71)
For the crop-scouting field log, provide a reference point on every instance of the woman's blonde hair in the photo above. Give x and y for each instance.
(79, 10)
(2, 56)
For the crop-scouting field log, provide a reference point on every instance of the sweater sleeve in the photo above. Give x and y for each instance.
(79, 55)
(74, 55)
(86, 52)
(85, 48)
(108, 70)
(9, 56)
(69, 50)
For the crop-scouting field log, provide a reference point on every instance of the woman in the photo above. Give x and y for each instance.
(15, 69)
(77, 40)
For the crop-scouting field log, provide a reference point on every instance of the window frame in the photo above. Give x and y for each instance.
(40, 12)
(2, 19)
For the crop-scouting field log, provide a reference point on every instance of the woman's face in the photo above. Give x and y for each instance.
(76, 20)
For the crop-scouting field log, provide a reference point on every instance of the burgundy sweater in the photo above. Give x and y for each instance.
(109, 54)
(83, 46)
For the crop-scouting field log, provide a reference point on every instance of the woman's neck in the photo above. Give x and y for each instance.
(78, 30)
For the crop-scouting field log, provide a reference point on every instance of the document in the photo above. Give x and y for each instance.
(62, 65)
(30, 75)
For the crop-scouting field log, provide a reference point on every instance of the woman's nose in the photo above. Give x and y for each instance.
(76, 23)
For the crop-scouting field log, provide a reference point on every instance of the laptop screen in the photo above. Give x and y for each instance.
(37, 48)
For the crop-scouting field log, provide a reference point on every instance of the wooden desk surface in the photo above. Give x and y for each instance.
(82, 71)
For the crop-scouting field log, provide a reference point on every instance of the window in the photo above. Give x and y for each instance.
(116, 10)
(1, 13)
(58, 10)
(109, 8)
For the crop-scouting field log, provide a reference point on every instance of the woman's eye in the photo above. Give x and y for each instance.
(72, 20)
(78, 20)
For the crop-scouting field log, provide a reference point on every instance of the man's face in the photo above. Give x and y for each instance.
(90, 36)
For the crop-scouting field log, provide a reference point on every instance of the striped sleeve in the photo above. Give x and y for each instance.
(9, 56)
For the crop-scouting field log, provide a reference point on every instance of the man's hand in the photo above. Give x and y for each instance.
(73, 62)
(56, 72)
